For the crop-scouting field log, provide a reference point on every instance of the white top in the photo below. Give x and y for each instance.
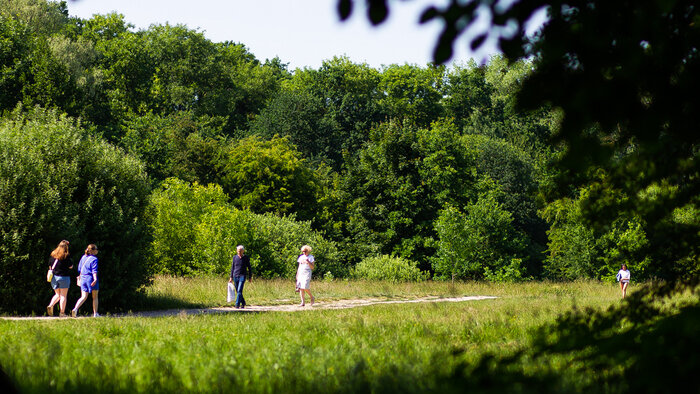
(304, 259)
(624, 275)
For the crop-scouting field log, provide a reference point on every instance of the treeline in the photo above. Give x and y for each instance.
(168, 150)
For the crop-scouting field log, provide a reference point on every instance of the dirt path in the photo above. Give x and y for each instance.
(336, 304)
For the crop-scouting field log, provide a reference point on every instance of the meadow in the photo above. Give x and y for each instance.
(393, 347)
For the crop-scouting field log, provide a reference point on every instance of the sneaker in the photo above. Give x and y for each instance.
(49, 310)
(96, 315)
(313, 299)
(62, 315)
(74, 313)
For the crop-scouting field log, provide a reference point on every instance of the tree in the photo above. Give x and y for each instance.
(349, 93)
(399, 183)
(412, 93)
(479, 243)
(269, 176)
(301, 117)
(180, 145)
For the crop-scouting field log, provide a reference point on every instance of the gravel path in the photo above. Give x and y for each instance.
(321, 304)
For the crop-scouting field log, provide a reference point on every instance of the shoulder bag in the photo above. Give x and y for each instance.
(49, 273)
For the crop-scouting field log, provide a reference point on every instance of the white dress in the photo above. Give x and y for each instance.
(304, 271)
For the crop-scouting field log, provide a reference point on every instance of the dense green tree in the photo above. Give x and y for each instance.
(178, 145)
(401, 180)
(349, 93)
(515, 173)
(269, 176)
(479, 243)
(29, 72)
(42, 17)
(301, 117)
(466, 90)
(411, 93)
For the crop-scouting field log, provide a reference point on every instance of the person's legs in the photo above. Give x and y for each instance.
(54, 300)
(95, 302)
(311, 295)
(624, 289)
(301, 294)
(83, 297)
(238, 282)
(63, 293)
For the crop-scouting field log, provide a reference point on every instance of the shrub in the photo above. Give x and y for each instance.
(478, 244)
(58, 183)
(196, 231)
(385, 267)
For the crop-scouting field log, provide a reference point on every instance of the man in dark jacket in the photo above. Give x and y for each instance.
(240, 268)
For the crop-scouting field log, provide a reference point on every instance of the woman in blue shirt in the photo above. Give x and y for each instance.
(87, 268)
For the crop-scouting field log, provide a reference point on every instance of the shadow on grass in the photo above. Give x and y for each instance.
(6, 384)
(189, 312)
(160, 302)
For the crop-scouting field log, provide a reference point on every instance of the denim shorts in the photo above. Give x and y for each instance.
(85, 281)
(60, 282)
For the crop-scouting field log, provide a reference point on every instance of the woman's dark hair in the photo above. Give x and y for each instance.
(90, 248)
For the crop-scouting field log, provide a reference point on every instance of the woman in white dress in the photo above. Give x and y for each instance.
(623, 276)
(306, 265)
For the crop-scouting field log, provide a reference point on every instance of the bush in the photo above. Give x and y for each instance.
(58, 183)
(479, 244)
(196, 231)
(385, 267)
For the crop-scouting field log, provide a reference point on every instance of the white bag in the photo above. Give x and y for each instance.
(231, 293)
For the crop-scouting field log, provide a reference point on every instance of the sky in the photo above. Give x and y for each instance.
(302, 33)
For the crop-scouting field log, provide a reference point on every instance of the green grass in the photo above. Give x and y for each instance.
(395, 347)
(210, 291)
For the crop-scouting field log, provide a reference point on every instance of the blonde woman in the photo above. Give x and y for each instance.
(87, 268)
(61, 264)
(306, 265)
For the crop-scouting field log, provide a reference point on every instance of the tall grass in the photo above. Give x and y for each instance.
(210, 291)
(397, 347)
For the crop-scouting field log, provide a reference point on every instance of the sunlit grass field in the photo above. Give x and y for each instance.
(392, 347)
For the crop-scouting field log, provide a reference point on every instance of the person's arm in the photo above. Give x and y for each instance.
(250, 268)
(93, 268)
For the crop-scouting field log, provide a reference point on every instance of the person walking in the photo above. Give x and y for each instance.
(306, 265)
(87, 270)
(61, 264)
(623, 276)
(240, 268)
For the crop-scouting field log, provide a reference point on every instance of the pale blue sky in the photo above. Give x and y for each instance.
(302, 33)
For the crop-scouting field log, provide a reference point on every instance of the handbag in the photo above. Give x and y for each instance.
(49, 273)
(79, 281)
